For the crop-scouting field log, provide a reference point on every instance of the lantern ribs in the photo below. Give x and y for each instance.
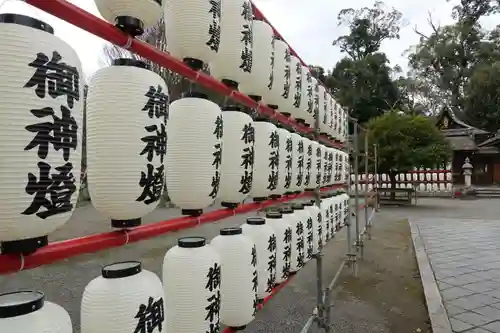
(78, 17)
(89, 244)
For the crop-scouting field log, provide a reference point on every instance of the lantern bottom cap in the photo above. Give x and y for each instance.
(256, 98)
(289, 192)
(273, 106)
(275, 196)
(230, 84)
(286, 114)
(131, 25)
(229, 205)
(301, 121)
(259, 199)
(24, 246)
(309, 189)
(124, 224)
(194, 64)
(238, 328)
(192, 212)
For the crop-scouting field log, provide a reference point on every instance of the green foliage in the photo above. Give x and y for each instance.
(407, 141)
(482, 101)
(368, 28)
(364, 86)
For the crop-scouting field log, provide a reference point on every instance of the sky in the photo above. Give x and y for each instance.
(309, 26)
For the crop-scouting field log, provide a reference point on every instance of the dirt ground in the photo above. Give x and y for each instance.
(388, 280)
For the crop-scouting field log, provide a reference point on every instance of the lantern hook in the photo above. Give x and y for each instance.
(128, 44)
(21, 258)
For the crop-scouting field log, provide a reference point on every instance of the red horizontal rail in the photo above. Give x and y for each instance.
(73, 247)
(75, 15)
(273, 293)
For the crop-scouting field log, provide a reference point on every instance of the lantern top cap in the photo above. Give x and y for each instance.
(231, 108)
(20, 303)
(130, 62)
(191, 242)
(256, 220)
(121, 270)
(298, 206)
(309, 203)
(274, 215)
(26, 21)
(195, 94)
(231, 231)
(286, 210)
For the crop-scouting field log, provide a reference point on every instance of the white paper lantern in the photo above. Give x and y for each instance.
(311, 245)
(283, 231)
(266, 160)
(27, 311)
(193, 30)
(331, 115)
(194, 152)
(297, 163)
(288, 214)
(41, 125)
(295, 90)
(287, 92)
(335, 120)
(337, 212)
(314, 168)
(324, 111)
(308, 94)
(274, 95)
(255, 84)
(125, 298)
(131, 16)
(289, 165)
(238, 255)
(284, 137)
(234, 59)
(192, 280)
(345, 208)
(329, 167)
(333, 221)
(127, 140)
(297, 221)
(319, 164)
(237, 160)
(264, 238)
(308, 163)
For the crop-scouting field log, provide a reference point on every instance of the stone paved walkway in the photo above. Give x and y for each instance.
(465, 257)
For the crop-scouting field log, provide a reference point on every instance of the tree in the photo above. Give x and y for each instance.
(364, 86)
(448, 57)
(368, 28)
(318, 73)
(482, 101)
(362, 81)
(406, 141)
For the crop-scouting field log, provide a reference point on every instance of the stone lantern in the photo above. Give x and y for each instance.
(467, 171)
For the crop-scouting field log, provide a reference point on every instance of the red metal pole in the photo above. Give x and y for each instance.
(86, 21)
(73, 247)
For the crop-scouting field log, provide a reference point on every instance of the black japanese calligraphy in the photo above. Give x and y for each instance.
(55, 78)
(213, 278)
(150, 317)
(309, 226)
(219, 128)
(157, 104)
(247, 158)
(288, 162)
(297, 97)
(318, 166)
(319, 219)
(287, 77)
(271, 263)
(248, 135)
(51, 190)
(300, 163)
(310, 103)
(309, 154)
(214, 29)
(60, 133)
(287, 253)
(213, 307)
(274, 158)
(152, 184)
(156, 142)
(247, 38)
(272, 180)
(300, 244)
(271, 74)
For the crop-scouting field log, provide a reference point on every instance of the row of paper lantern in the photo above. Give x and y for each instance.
(406, 177)
(211, 153)
(204, 285)
(240, 51)
(421, 187)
